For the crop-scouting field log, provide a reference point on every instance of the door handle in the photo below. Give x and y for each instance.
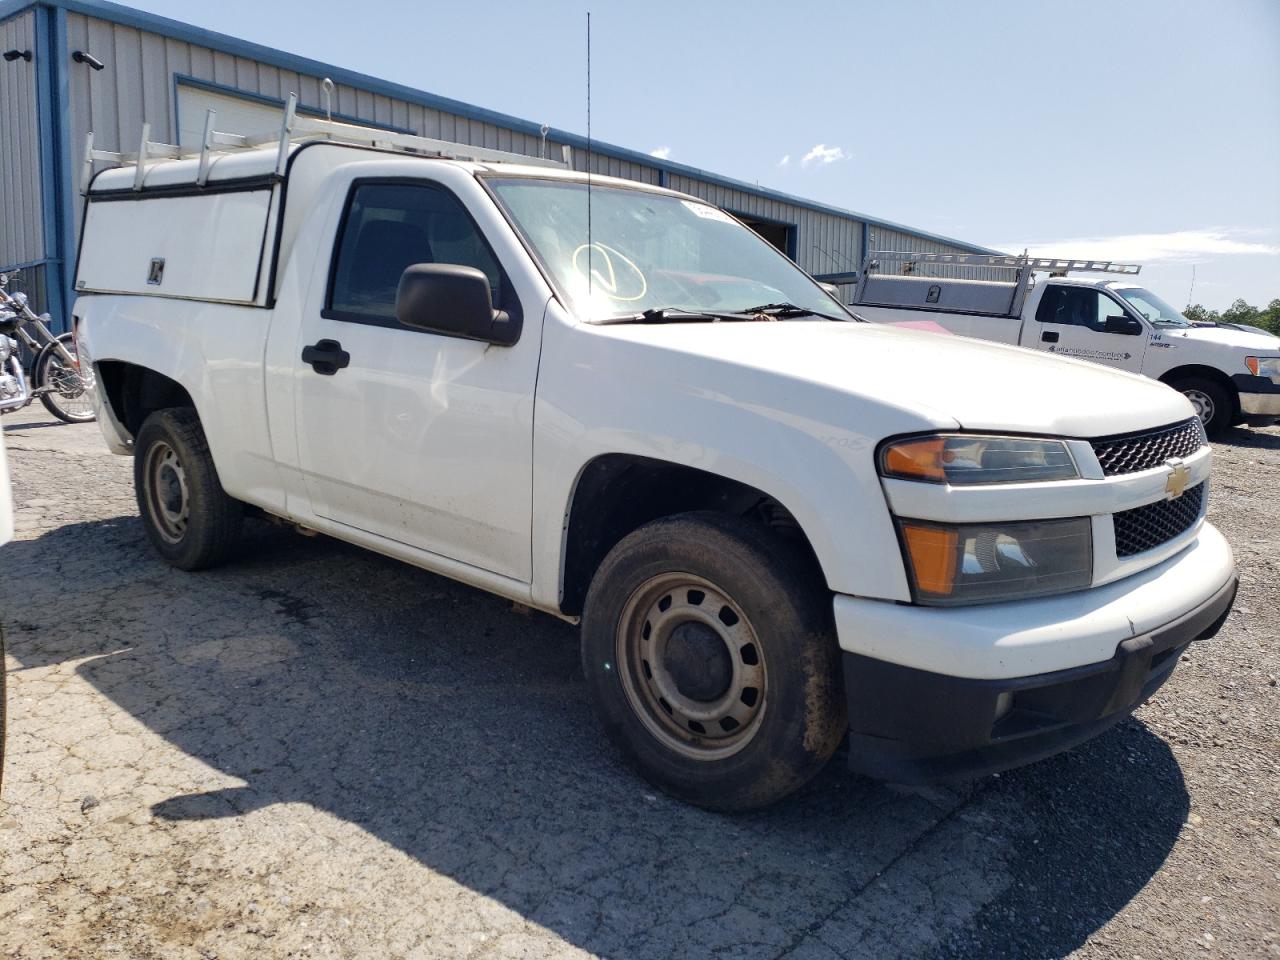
(326, 357)
(1048, 336)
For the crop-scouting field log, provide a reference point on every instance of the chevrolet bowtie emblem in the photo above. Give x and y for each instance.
(1179, 477)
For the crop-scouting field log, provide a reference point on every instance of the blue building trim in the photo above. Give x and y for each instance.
(65, 179)
(25, 265)
(127, 16)
(48, 127)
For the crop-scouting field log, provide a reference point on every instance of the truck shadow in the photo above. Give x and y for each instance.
(1257, 438)
(457, 731)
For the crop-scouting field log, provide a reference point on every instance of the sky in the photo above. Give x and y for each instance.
(1143, 130)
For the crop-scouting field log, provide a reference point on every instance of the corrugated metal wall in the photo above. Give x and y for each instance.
(138, 83)
(824, 243)
(897, 240)
(21, 217)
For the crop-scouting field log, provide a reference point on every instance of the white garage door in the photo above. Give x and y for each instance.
(235, 114)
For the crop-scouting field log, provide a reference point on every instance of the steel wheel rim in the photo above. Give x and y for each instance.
(1202, 402)
(69, 389)
(167, 497)
(664, 617)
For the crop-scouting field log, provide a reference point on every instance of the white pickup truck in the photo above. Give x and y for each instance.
(1230, 374)
(617, 404)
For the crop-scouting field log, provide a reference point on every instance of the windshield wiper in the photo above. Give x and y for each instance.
(764, 312)
(677, 315)
(784, 310)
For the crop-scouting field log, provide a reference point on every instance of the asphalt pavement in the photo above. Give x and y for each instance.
(319, 752)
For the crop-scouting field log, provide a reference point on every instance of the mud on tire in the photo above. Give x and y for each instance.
(711, 660)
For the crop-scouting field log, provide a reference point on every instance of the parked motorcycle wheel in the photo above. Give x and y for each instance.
(69, 397)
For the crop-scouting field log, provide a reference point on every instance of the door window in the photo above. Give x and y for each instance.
(390, 226)
(1077, 307)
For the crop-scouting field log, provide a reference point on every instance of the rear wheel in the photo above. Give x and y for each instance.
(189, 519)
(69, 395)
(1212, 402)
(711, 659)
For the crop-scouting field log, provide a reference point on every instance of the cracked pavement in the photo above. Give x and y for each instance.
(318, 752)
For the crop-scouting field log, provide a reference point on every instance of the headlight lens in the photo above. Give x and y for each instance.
(965, 459)
(952, 564)
(1264, 367)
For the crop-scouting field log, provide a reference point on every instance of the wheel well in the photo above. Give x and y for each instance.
(618, 493)
(136, 392)
(1205, 373)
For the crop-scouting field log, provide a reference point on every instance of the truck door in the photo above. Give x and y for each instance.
(1088, 324)
(422, 438)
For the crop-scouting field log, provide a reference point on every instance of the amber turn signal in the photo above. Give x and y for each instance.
(933, 558)
(916, 459)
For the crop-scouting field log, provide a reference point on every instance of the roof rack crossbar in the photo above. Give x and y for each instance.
(1012, 262)
(295, 128)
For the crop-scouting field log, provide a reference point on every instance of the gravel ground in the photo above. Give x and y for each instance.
(317, 752)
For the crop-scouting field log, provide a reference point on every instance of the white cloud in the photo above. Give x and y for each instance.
(662, 153)
(785, 161)
(822, 155)
(1178, 246)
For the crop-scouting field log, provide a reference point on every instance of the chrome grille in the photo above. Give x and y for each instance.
(1132, 452)
(1147, 527)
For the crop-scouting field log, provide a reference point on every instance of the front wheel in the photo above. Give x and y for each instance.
(711, 659)
(69, 391)
(1212, 403)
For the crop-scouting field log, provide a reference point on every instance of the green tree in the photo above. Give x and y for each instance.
(1268, 317)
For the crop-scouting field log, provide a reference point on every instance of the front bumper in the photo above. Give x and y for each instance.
(1259, 397)
(974, 712)
(913, 726)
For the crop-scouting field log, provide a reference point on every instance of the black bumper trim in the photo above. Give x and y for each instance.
(916, 726)
(1248, 383)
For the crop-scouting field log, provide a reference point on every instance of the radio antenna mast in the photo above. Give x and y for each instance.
(591, 252)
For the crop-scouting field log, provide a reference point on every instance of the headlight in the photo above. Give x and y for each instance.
(988, 562)
(963, 459)
(1264, 367)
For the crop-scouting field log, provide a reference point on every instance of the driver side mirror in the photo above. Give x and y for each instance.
(454, 300)
(1126, 325)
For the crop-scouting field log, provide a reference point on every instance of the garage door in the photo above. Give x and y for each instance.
(235, 114)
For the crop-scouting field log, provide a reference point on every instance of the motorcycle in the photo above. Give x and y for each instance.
(56, 376)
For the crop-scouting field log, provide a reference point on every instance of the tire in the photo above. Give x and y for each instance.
(71, 401)
(657, 600)
(1214, 404)
(188, 517)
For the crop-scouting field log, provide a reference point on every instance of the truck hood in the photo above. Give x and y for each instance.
(945, 382)
(1253, 344)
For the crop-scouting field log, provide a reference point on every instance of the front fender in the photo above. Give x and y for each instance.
(807, 446)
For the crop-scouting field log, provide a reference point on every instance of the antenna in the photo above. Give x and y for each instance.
(591, 251)
(1193, 284)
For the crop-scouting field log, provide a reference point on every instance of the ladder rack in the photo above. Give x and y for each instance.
(294, 129)
(1020, 271)
(1058, 265)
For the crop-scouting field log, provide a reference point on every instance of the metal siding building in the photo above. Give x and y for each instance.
(166, 73)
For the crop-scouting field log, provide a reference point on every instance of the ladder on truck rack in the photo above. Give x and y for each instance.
(1056, 265)
(293, 129)
(1018, 268)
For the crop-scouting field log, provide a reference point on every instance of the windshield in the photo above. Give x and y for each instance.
(649, 252)
(1152, 307)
